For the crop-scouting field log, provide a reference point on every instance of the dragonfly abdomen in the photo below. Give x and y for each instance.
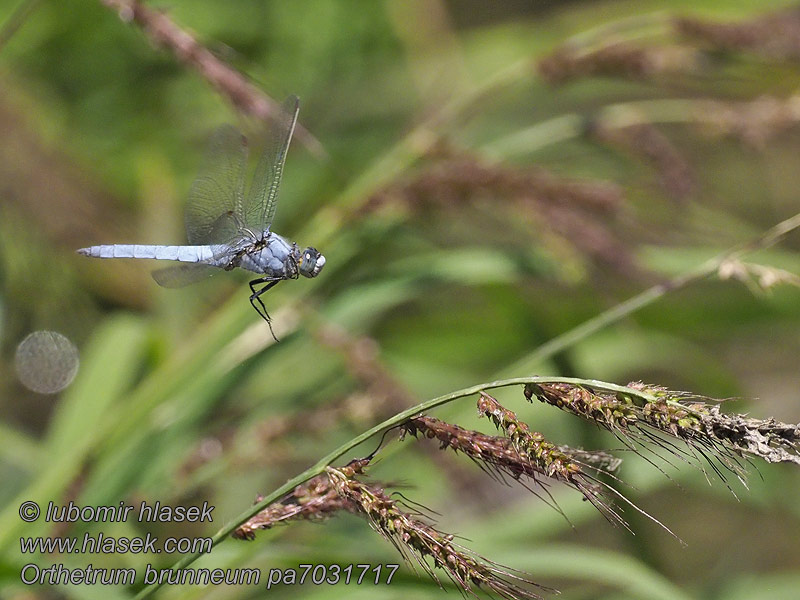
(190, 254)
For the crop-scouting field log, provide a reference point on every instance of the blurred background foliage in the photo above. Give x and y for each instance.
(477, 197)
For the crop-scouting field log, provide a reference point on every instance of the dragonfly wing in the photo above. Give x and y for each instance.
(215, 210)
(183, 274)
(259, 209)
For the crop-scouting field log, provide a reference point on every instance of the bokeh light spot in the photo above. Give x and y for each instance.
(46, 362)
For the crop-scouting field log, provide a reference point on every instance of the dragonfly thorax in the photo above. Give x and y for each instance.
(275, 256)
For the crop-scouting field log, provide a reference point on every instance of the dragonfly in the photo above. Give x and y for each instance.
(227, 227)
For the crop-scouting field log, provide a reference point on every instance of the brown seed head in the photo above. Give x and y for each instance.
(428, 546)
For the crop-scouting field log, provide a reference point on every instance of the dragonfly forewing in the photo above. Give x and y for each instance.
(215, 208)
(262, 196)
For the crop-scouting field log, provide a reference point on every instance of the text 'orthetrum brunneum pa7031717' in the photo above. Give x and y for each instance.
(228, 227)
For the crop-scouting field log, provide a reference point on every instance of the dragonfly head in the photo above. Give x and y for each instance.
(311, 262)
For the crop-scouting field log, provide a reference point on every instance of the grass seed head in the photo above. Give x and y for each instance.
(525, 455)
(648, 142)
(775, 35)
(567, 209)
(647, 411)
(314, 500)
(624, 60)
(428, 547)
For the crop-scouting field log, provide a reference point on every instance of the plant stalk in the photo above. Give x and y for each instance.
(386, 425)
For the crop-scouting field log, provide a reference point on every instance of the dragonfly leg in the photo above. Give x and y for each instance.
(257, 303)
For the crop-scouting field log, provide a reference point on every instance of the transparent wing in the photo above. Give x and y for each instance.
(215, 209)
(262, 197)
(183, 274)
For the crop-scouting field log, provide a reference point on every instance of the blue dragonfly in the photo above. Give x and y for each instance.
(228, 228)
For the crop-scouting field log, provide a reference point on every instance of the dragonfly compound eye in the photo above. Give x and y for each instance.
(312, 262)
